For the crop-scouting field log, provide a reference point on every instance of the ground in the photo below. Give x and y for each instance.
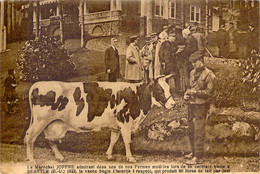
(82, 150)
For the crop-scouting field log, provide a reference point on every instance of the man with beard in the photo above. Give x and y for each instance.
(168, 60)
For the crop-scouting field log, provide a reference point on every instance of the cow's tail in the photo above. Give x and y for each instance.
(31, 114)
(30, 104)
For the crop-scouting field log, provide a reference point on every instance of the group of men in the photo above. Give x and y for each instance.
(164, 54)
(228, 40)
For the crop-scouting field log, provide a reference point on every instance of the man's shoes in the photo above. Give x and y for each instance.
(193, 161)
(189, 156)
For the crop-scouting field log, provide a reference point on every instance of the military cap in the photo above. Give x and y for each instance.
(114, 39)
(153, 34)
(195, 56)
(165, 27)
(147, 37)
(134, 37)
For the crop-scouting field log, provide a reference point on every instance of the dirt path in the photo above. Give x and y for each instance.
(13, 161)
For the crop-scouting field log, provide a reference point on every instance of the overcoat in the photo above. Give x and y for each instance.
(133, 68)
(112, 60)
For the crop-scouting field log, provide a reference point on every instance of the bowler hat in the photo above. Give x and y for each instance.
(195, 56)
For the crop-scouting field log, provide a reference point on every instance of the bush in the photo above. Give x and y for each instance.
(45, 58)
(230, 91)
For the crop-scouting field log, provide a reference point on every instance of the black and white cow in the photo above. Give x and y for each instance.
(58, 107)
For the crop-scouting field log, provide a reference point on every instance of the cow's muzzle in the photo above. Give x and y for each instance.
(170, 103)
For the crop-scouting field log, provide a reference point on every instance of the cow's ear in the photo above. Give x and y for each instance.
(150, 85)
(168, 76)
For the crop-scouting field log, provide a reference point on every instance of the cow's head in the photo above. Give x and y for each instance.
(161, 91)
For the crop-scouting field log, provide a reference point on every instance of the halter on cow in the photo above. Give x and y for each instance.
(58, 107)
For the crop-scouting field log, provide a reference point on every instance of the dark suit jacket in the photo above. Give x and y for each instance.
(112, 60)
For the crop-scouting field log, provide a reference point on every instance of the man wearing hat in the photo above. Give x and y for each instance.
(152, 49)
(10, 93)
(146, 58)
(197, 96)
(168, 59)
(133, 69)
(112, 61)
(164, 34)
(200, 38)
(232, 33)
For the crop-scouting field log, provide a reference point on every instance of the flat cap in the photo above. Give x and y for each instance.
(195, 56)
(134, 37)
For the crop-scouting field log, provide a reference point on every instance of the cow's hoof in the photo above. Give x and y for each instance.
(110, 157)
(61, 160)
(131, 160)
(30, 161)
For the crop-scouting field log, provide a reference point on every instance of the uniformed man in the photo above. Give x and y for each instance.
(10, 93)
(201, 86)
(146, 58)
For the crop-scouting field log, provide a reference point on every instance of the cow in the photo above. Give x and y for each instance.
(57, 107)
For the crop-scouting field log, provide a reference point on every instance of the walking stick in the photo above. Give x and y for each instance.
(209, 52)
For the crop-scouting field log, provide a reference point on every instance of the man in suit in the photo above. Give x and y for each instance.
(112, 61)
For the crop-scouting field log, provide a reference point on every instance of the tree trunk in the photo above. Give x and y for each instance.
(61, 22)
(82, 45)
(37, 20)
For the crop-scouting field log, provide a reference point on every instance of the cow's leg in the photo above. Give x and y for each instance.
(56, 151)
(32, 133)
(126, 134)
(113, 139)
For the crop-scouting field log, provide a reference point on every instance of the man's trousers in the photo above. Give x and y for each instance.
(196, 118)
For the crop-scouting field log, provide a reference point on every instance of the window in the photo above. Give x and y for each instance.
(172, 9)
(159, 8)
(195, 14)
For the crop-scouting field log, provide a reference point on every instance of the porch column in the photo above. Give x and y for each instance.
(82, 30)
(149, 8)
(34, 14)
(58, 10)
(9, 15)
(112, 5)
(2, 28)
(165, 9)
(13, 17)
(86, 10)
(119, 5)
(143, 8)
